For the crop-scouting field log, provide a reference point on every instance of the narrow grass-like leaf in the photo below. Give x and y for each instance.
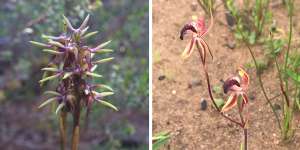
(50, 51)
(90, 34)
(49, 78)
(48, 102)
(293, 75)
(108, 104)
(52, 93)
(93, 74)
(159, 140)
(50, 69)
(39, 44)
(103, 60)
(59, 107)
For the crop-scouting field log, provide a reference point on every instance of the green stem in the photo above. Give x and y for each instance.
(290, 10)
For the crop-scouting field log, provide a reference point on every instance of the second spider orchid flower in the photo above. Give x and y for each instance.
(198, 30)
(236, 86)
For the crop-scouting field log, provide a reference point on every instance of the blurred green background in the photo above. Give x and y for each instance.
(125, 22)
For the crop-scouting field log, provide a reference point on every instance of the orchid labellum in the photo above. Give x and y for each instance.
(236, 86)
(198, 30)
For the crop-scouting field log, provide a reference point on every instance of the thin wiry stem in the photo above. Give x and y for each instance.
(245, 139)
(211, 95)
(290, 38)
(259, 77)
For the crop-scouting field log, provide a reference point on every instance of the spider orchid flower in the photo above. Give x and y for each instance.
(198, 30)
(236, 86)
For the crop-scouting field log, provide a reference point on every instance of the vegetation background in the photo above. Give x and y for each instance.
(22, 125)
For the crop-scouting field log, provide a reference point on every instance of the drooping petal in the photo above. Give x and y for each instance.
(188, 49)
(202, 50)
(231, 102)
(206, 47)
(244, 101)
(245, 78)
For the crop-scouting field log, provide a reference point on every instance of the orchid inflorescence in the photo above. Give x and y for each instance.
(73, 66)
(236, 86)
(198, 30)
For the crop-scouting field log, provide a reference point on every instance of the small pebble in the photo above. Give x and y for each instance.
(252, 97)
(230, 19)
(174, 92)
(277, 107)
(194, 6)
(195, 83)
(230, 44)
(203, 104)
(162, 77)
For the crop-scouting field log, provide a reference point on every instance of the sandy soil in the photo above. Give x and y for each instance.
(176, 98)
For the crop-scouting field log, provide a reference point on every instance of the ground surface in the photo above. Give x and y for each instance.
(176, 98)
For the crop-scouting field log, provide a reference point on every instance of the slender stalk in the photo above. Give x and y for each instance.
(281, 84)
(290, 36)
(245, 139)
(259, 78)
(62, 129)
(211, 95)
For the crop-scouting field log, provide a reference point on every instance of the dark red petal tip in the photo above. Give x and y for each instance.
(187, 27)
(229, 83)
